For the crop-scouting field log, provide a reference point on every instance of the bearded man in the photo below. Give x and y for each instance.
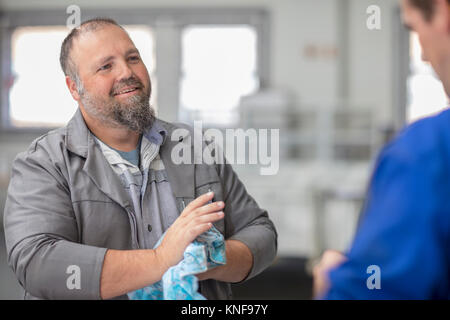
(87, 203)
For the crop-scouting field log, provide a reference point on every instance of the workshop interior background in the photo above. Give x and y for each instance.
(336, 86)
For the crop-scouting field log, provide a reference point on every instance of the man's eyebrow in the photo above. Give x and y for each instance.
(105, 60)
(131, 51)
(109, 58)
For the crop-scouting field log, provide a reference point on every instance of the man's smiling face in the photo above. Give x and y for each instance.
(114, 82)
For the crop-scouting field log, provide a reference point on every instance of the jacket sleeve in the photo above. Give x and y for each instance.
(42, 234)
(246, 221)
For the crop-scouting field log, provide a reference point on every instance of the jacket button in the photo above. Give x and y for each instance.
(149, 228)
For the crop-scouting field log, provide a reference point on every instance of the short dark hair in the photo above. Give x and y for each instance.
(426, 6)
(67, 64)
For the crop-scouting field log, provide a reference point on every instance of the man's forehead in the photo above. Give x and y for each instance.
(95, 43)
(107, 33)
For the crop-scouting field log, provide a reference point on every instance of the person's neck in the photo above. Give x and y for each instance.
(119, 138)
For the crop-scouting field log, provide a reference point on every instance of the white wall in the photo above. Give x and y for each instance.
(371, 55)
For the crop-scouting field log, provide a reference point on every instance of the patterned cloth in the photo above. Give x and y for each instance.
(179, 282)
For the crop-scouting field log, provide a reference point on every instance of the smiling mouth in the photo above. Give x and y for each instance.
(127, 90)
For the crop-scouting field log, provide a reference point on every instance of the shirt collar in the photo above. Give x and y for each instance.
(157, 133)
(78, 135)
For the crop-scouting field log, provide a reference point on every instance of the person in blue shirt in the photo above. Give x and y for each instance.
(401, 249)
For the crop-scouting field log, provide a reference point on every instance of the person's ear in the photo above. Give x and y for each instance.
(72, 86)
(441, 15)
(447, 11)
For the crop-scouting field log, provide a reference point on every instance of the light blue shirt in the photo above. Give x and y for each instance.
(133, 155)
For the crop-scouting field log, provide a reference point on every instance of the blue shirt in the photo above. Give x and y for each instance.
(133, 155)
(405, 225)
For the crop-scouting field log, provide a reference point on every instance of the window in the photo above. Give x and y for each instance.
(38, 96)
(218, 67)
(426, 94)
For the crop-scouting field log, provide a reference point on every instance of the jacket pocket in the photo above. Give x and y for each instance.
(216, 187)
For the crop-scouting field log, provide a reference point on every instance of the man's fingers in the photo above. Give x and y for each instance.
(212, 217)
(332, 258)
(199, 201)
(201, 224)
(211, 207)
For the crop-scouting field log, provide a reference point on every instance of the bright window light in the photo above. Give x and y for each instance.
(219, 66)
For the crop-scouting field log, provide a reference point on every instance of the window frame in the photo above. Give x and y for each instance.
(152, 17)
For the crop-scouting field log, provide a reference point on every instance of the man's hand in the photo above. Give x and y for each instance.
(195, 219)
(330, 260)
(127, 270)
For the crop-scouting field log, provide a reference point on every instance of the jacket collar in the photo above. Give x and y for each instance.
(77, 134)
(180, 176)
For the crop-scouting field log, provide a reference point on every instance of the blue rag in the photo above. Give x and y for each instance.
(179, 282)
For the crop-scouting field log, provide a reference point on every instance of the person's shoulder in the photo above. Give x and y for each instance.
(437, 125)
(427, 139)
(45, 145)
(418, 160)
(172, 127)
(177, 130)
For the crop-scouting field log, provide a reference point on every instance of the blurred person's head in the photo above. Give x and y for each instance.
(106, 75)
(431, 20)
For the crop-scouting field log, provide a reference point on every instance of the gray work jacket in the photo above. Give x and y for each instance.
(66, 206)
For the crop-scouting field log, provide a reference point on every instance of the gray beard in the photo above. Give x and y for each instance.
(135, 114)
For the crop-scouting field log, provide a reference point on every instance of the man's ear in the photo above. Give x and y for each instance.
(441, 15)
(72, 86)
(447, 11)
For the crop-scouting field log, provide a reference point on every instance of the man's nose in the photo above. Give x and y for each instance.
(125, 71)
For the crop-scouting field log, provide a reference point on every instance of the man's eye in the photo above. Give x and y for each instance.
(105, 67)
(134, 58)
